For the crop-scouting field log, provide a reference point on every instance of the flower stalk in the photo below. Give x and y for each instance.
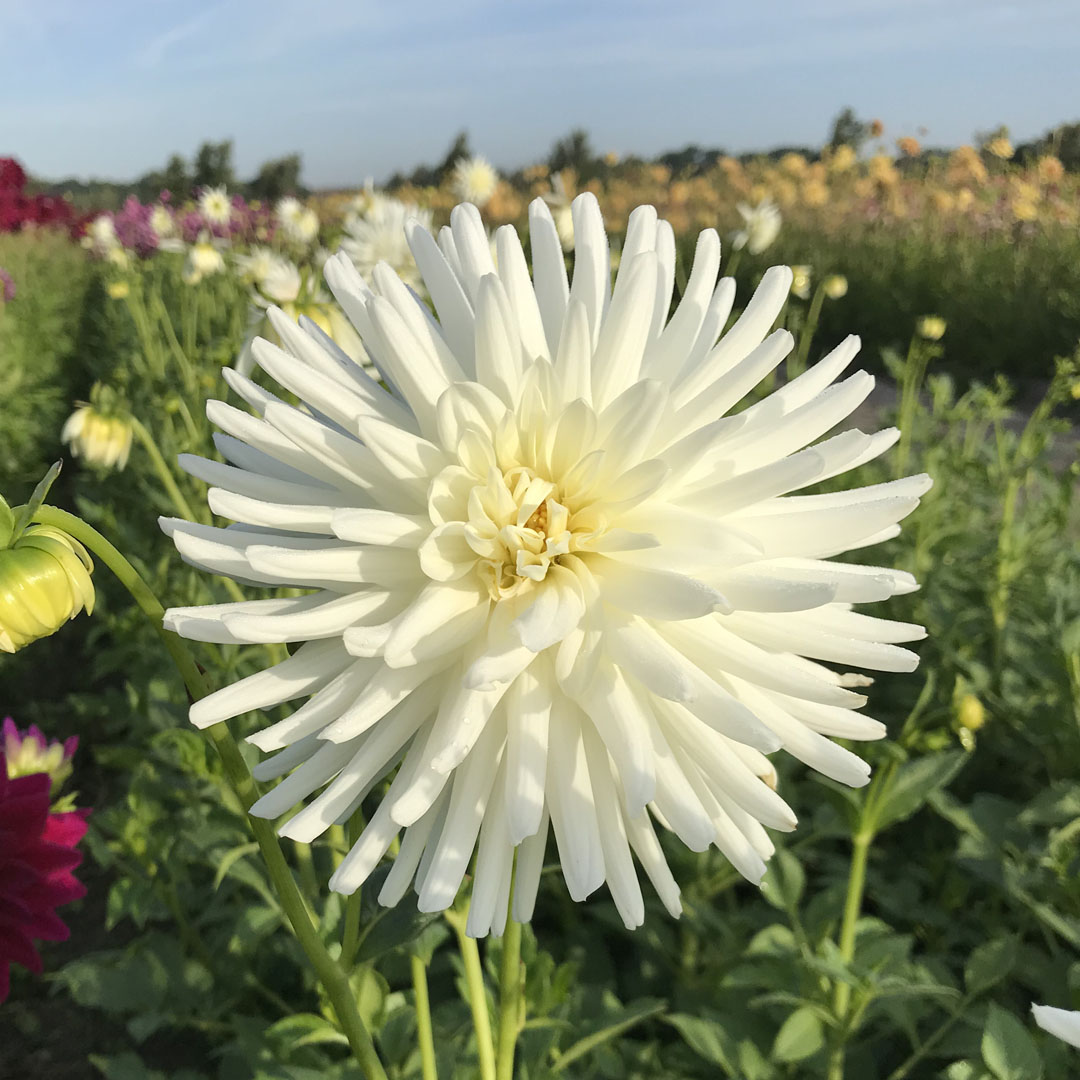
(330, 974)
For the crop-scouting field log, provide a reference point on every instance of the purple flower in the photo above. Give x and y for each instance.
(133, 228)
(7, 286)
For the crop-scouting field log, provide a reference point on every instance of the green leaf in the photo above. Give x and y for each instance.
(784, 882)
(7, 523)
(989, 964)
(229, 858)
(800, 1037)
(303, 1029)
(25, 513)
(626, 1019)
(708, 1038)
(914, 782)
(1007, 1048)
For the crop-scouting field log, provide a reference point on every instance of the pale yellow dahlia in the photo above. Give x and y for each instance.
(555, 583)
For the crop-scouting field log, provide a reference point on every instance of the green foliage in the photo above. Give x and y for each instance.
(181, 966)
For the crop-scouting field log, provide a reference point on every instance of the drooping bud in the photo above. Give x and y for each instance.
(100, 431)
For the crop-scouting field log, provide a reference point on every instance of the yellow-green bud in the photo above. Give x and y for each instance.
(835, 286)
(931, 327)
(971, 713)
(44, 582)
(800, 281)
(117, 290)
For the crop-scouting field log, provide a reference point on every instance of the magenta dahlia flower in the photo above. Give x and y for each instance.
(38, 854)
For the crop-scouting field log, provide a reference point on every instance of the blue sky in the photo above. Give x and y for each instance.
(111, 88)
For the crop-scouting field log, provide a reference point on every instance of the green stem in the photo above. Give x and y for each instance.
(474, 981)
(856, 887)
(928, 1044)
(163, 471)
(797, 365)
(351, 938)
(511, 977)
(424, 1034)
(330, 974)
(918, 356)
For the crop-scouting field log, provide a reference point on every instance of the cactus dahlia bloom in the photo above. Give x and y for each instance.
(555, 582)
(38, 852)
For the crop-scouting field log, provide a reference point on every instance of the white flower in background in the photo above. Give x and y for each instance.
(1059, 1022)
(558, 199)
(761, 226)
(101, 235)
(298, 222)
(378, 235)
(555, 584)
(162, 222)
(800, 282)
(203, 260)
(214, 205)
(98, 437)
(255, 264)
(281, 283)
(475, 180)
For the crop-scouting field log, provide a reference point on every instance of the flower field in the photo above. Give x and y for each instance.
(415, 560)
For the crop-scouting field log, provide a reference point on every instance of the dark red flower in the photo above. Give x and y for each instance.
(12, 177)
(38, 852)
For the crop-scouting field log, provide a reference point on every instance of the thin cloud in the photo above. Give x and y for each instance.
(151, 54)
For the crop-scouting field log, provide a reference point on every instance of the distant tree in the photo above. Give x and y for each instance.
(573, 151)
(175, 178)
(213, 165)
(276, 178)
(1063, 142)
(848, 129)
(691, 159)
(459, 149)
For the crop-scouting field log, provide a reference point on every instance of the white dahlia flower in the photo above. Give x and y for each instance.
(475, 180)
(298, 222)
(761, 226)
(556, 584)
(1062, 1023)
(378, 235)
(215, 205)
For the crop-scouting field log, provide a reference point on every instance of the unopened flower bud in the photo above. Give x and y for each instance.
(835, 286)
(931, 327)
(30, 752)
(44, 582)
(971, 713)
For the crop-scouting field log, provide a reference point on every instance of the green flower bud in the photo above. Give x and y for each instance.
(931, 327)
(44, 582)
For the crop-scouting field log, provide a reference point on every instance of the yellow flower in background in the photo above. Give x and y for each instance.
(1023, 209)
(942, 201)
(815, 193)
(835, 286)
(908, 145)
(611, 158)
(877, 129)
(966, 166)
(118, 290)
(842, 159)
(793, 164)
(965, 199)
(881, 170)
(931, 327)
(1000, 148)
(1050, 170)
(44, 582)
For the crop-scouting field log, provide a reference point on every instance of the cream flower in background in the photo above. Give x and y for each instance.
(298, 222)
(101, 438)
(214, 205)
(378, 235)
(761, 226)
(203, 260)
(555, 583)
(1061, 1023)
(475, 180)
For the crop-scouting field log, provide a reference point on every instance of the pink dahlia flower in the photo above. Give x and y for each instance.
(38, 854)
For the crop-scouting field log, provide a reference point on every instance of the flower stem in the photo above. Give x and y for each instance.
(162, 469)
(424, 1033)
(511, 978)
(474, 982)
(797, 364)
(240, 779)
